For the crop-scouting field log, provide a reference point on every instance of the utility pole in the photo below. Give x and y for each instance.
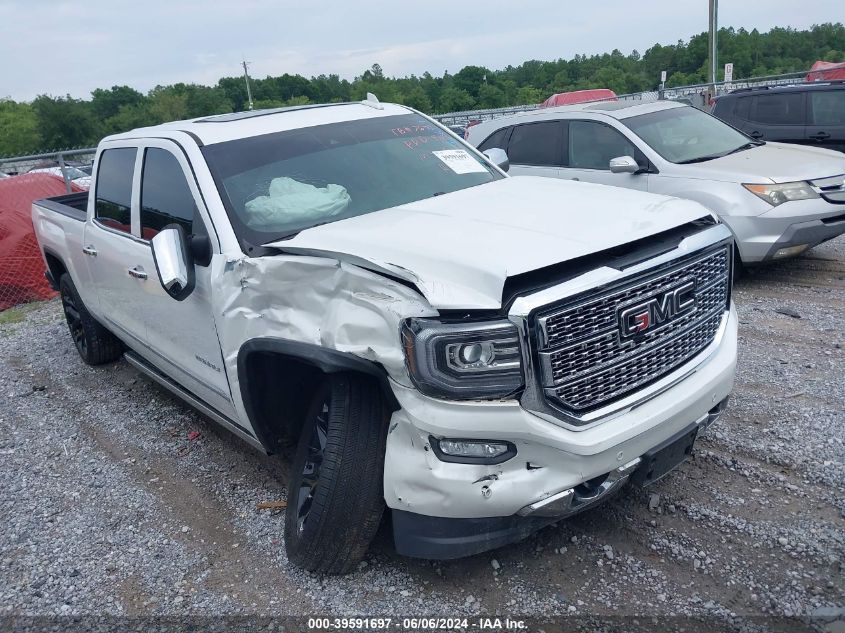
(713, 44)
(245, 64)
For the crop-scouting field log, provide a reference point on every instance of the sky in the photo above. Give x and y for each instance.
(58, 47)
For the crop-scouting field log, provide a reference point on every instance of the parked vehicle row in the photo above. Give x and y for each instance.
(778, 200)
(480, 354)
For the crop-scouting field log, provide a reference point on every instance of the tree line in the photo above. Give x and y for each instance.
(49, 123)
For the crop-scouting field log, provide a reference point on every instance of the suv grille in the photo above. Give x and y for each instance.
(587, 359)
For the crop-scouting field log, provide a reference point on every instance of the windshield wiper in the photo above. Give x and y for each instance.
(700, 159)
(741, 148)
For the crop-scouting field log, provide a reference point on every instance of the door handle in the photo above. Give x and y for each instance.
(576, 178)
(756, 134)
(819, 136)
(137, 273)
(90, 251)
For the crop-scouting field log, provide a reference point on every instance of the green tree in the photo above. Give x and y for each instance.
(65, 122)
(18, 129)
(107, 103)
(167, 103)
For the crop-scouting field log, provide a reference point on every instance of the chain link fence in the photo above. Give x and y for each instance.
(21, 266)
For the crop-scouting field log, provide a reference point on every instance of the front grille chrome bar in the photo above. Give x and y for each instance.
(582, 363)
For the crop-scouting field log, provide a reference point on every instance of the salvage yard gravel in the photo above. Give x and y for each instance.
(118, 499)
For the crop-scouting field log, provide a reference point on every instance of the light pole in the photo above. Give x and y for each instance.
(713, 44)
(246, 79)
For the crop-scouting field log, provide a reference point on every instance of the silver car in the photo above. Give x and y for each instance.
(777, 199)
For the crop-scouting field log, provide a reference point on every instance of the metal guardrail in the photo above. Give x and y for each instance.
(60, 161)
(698, 94)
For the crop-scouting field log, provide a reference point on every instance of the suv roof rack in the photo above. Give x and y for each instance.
(803, 84)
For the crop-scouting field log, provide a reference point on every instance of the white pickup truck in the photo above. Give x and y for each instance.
(482, 355)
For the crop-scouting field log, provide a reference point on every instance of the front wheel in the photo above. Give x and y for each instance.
(335, 492)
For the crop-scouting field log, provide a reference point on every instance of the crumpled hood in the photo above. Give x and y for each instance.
(459, 248)
(773, 162)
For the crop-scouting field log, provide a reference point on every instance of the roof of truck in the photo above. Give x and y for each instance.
(235, 125)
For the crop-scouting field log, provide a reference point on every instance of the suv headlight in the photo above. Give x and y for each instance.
(463, 361)
(784, 192)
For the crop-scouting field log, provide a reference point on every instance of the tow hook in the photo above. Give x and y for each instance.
(573, 500)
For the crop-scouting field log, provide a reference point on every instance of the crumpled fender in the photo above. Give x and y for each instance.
(315, 300)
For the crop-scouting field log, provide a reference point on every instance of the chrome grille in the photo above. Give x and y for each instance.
(584, 362)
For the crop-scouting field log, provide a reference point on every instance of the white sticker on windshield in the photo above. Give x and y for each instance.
(459, 161)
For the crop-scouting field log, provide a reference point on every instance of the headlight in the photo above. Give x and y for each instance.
(462, 361)
(778, 194)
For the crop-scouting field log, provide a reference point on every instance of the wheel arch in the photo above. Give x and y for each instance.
(55, 268)
(278, 378)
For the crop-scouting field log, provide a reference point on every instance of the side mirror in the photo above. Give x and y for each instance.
(623, 165)
(173, 261)
(498, 157)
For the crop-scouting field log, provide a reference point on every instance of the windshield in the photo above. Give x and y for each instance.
(276, 185)
(687, 135)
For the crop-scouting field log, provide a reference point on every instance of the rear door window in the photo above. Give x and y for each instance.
(496, 139)
(537, 144)
(779, 109)
(113, 202)
(165, 195)
(592, 145)
(828, 107)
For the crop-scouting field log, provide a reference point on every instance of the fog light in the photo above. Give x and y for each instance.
(790, 251)
(472, 451)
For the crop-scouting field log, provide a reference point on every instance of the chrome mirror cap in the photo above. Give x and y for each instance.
(173, 264)
(623, 165)
(498, 157)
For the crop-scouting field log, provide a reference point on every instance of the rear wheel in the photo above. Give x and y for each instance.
(335, 492)
(95, 344)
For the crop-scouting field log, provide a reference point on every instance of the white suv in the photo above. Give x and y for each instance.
(777, 199)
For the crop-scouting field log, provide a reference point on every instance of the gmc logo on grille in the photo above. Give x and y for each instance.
(660, 309)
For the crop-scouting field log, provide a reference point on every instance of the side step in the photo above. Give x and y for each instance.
(178, 390)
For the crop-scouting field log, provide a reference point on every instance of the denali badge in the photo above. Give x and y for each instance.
(661, 308)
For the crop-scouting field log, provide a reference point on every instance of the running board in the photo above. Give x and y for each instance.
(178, 390)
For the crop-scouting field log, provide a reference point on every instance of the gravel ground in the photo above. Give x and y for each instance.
(115, 498)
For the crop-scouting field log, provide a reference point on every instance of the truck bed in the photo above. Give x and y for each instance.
(72, 205)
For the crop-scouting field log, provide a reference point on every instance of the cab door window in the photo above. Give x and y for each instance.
(165, 195)
(592, 145)
(113, 196)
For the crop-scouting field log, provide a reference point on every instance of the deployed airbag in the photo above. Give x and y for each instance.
(291, 200)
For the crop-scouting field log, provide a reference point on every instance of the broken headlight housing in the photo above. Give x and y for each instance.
(463, 361)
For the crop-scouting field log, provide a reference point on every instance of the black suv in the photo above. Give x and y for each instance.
(810, 114)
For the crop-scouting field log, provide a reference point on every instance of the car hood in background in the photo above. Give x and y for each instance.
(459, 248)
(772, 162)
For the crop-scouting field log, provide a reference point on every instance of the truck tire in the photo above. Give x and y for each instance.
(95, 344)
(335, 492)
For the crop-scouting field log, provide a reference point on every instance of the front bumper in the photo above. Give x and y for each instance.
(807, 222)
(551, 458)
(421, 536)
